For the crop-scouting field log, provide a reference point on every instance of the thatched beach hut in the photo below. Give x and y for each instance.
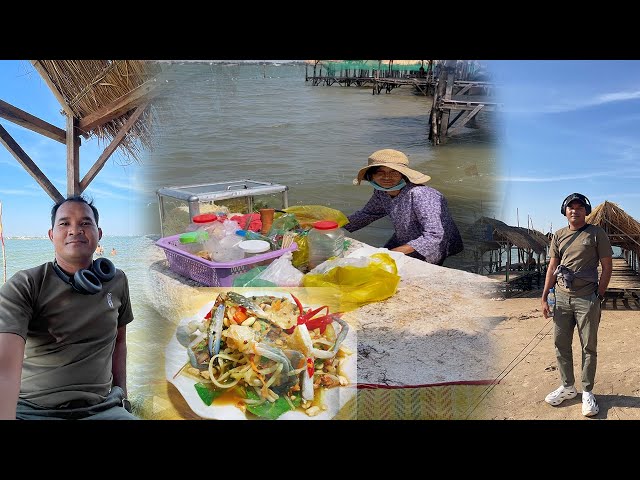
(106, 99)
(623, 230)
(493, 244)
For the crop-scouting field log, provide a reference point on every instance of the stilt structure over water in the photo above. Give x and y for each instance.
(493, 245)
(458, 87)
(624, 232)
(464, 98)
(375, 74)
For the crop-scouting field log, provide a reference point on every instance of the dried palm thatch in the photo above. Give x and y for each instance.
(623, 230)
(490, 233)
(85, 86)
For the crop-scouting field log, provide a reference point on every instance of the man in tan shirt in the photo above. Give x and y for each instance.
(63, 328)
(575, 252)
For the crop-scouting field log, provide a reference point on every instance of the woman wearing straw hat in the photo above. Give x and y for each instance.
(424, 228)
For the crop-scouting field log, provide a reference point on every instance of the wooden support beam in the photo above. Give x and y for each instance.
(461, 113)
(117, 140)
(43, 73)
(73, 158)
(28, 164)
(464, 90)
(138, 96)
(473, 113)
(26, 120)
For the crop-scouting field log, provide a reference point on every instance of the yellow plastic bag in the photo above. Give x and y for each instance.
(357, 281)
(309, 214)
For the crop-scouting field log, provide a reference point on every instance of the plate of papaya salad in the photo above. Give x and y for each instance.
(263, 355)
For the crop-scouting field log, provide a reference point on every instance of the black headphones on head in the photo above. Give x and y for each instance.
(89, 281)
(576, 196)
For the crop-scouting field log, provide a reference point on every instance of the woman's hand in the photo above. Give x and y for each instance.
(406, 249)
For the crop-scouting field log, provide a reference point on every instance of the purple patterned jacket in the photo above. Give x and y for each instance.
(420, 218)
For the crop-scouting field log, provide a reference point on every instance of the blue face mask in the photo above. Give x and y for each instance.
(390, 189)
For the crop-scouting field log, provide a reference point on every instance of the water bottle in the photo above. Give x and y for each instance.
(551, 300)
(326, 240)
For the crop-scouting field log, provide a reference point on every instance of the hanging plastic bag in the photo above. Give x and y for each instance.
(357, 281)
(307, 215)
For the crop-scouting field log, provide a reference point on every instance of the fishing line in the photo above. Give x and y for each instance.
(502, 375)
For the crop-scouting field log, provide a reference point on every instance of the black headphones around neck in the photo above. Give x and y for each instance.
(89, 281)
(576, 196)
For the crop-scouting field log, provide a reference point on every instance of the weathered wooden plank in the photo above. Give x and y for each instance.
(73, 157)
(28, 164)
(464, 90)
(472, 114)
(117, 140)
(31, 122)
(136, 97)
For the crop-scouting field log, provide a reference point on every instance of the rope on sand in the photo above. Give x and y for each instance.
(502, 375)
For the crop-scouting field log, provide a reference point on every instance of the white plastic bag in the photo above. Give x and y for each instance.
(282, 272)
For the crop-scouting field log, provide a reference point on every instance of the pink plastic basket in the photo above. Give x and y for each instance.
(208, 273)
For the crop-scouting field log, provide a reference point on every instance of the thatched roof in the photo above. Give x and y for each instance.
(490, 233)
(623, 230)
(90, 91)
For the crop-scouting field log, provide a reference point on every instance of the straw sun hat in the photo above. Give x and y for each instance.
(392, 159)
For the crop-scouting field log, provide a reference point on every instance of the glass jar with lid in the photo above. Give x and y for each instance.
(326, 240)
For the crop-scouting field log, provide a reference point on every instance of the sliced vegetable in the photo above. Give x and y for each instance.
(207, 392)
(270, 410)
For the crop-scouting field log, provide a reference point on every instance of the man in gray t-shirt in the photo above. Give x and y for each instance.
(575, 252)
(63, 328)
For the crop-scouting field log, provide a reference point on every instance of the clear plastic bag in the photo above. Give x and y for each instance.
(282, 272)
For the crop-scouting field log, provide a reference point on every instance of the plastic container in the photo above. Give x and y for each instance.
(326, 240)
(252, 248)
(193, 242)
(227, 249)
(250, 235)
(212, 274)
(205, 221)
(266, 217)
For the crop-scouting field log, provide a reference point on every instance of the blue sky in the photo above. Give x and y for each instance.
(26, 207)
(568, 126)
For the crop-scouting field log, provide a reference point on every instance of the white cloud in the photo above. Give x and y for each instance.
(562, 105)
(562, 178)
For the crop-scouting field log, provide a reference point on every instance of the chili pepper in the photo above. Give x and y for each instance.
(310, 367)
(320, 322)
(306, 318)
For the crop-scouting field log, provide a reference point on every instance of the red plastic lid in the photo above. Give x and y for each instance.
(205, 218)
(325, 225)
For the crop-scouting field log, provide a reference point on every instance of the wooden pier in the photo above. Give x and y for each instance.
(378, 79)
(624, 288)
(464, 99)
(457, 97)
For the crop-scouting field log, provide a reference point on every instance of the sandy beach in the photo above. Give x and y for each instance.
(525, 356)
